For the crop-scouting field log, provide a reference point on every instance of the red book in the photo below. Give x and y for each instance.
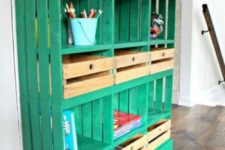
(122, 119)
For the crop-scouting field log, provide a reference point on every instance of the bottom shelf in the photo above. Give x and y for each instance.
(85, 143)
(168, 145)
(157, 116)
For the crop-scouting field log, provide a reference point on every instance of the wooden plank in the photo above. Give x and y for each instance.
(158, 97)
(124, 101)
(87, 120)
(92, 84)
(24, 101)
(117, 21)
(124, 20)
(144, 22)
(30, 9)
(131, 74)
(153, 145)
(158, 54)
(130, 58)
(142, 103)
(107, 21)
(151, 96)
(97, 120)
(157, 129)
(43, 51)
(168, 93)
(135, 143)
(133, 100)
(161, 66)
(78, 119)
(171, 19)
(77, 69)
(116, 101)
(107, 119)
(162, 11)
(56, 72)
(134, 20)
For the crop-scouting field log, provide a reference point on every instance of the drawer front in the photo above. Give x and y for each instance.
(131, 74)
(87, 67)
(132, 59)
(161, 66)
(159, 130)
(161, 54)
(138, 144)
(89, 85)
(160, 140)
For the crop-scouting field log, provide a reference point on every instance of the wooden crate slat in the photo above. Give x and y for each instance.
(43, 51)
(87, 120)
(159, 92)
(107, 119)
(142, 102)
(78, 119)
(56, 71)
(134, 20)
(133, 100)
(24, 101)
(30, 9)
(151, 96)
(97, 120)
(162, 11)
(124, 101)
(168, 93)
(124, 20)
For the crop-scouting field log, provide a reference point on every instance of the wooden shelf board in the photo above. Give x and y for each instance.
(130, 44)
(161, 41)
(71, 49)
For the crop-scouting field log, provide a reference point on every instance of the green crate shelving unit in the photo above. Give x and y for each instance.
(42, 42)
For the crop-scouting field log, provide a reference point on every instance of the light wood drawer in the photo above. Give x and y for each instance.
(157, 129)
(160, 140)
(159, 54)
(130, 73)
(81, 65)
(130, 58)
(87, 84)
(161, 66)
(136, 143)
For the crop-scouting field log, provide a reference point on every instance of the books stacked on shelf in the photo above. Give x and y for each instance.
(70, 137)
(125, 123)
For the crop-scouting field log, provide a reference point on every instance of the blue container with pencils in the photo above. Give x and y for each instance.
(84, 30)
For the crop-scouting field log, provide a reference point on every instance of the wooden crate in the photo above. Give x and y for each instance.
(160, 140)
(161, 59)
(130, 65)
(86, 73)
(159, 54)
(157, 129)
(135, 143)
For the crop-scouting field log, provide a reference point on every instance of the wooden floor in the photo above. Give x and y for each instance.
(199, 128)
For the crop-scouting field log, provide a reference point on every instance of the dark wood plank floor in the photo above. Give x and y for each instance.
(198, 128)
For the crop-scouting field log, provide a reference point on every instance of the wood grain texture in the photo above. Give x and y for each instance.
(158, 54)
(198, 128)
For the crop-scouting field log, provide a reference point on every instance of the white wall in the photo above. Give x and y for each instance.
(199, 67)
(9, 118)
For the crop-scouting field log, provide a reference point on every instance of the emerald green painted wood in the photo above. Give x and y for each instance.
(158, 96)
(168, 145)
(42, 41)
(32, 76)
(24, 101)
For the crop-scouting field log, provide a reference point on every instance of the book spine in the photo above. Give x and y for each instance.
(127, 125)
